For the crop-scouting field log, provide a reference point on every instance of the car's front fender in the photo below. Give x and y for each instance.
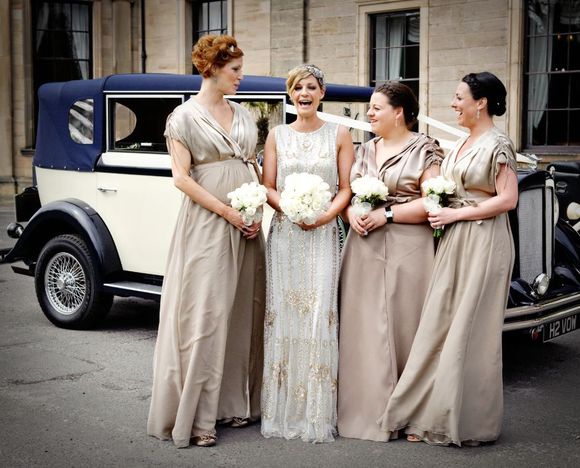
(66, 216)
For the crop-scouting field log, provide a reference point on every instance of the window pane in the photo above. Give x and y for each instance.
(224, 16)
(394, 46)
(380, 64)
(574, 138)
(80, 121)
(575, 92)
(558, 96)
(215, 16)
(139, 123)
(411, 62)
(536, 128)
(557, 128)
(538, 56)
(204, 17)
(413, 30)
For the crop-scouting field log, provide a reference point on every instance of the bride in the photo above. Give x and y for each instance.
(303, 263)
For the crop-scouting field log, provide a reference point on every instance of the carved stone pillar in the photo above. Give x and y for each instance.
(122, 36)
(6, 156)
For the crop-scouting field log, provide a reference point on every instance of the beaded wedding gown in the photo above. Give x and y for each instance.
(300, 342)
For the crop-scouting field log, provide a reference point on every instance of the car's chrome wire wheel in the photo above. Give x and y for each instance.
(65, 283)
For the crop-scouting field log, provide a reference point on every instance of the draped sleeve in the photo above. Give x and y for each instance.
(360, 166)
(432, 153)
(176, 128)
(503, 153)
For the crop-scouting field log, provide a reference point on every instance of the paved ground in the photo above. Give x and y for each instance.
(70, 398)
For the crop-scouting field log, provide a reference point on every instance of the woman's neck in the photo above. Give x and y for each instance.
(480, 127)
(395, 136)
(307, 123)
(209, 95)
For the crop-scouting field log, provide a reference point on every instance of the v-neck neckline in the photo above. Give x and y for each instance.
(377, 139)
(215, 121)
(473, 146)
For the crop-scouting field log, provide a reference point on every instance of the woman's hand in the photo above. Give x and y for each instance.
(320, 221)
(440, 218)
(356, 222)
(375, 219)
(234, 217)
(252, 231)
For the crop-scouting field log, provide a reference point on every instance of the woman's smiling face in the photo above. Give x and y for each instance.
(307, 95)
(382, 115)
(464, 105)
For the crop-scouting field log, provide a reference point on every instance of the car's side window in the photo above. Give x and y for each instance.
(81, 121)
(137, 123)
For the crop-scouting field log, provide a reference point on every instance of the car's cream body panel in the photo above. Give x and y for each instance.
(139, 210)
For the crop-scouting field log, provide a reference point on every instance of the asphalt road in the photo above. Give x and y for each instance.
(80, 398)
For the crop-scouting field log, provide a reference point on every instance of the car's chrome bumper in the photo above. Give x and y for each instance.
(524, 317)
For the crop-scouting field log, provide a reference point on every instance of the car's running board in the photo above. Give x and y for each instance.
(133, 288)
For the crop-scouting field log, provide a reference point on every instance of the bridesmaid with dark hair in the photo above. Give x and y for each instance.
(386, 263)
(451, 390)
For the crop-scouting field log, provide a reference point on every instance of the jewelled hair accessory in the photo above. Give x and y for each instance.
(316, 73)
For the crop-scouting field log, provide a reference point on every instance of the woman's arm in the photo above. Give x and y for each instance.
(344, 161)
(270, 171)
(180, 165)
(412, 212)
(506, 183)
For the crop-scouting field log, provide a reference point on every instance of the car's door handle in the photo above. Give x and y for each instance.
(103, 189)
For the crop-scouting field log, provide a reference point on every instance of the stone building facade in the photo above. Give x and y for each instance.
(432, 43)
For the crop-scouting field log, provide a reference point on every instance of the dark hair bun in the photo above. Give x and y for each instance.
(487, 85)
(214, 51)
(400, 95)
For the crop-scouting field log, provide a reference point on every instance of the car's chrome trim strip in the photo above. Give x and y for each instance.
(556, 315)
(541, 307)
(135, 287)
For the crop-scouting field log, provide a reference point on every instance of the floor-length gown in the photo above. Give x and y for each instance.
(451, 389)
(384, 279)
(208, 356)
(300, 337)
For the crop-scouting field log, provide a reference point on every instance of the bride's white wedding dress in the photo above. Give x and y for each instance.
(301, 347)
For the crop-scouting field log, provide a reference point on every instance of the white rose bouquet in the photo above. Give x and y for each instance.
(248, 200)
(305, 197)
(437, 192)
(368, 191)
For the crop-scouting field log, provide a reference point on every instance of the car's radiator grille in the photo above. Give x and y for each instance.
(535, 234)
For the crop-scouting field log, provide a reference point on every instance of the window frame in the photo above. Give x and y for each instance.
(373, 47)
(196, 14)
(36, 60)
(527, 143)
(366, 8)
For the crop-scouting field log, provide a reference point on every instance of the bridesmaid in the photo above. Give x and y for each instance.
(386, 265)
(451, 389)
(208, 357)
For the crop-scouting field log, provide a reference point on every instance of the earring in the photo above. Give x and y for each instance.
(477, 115)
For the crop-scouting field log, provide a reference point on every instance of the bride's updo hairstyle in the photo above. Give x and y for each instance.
(487, 85)
(400, 95)
(211, 52)
(304, 71)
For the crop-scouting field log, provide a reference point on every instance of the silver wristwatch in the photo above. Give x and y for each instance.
(389, 215)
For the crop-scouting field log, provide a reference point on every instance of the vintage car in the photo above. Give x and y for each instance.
(99, 219)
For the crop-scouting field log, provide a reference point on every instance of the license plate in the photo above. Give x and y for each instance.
(560, 327)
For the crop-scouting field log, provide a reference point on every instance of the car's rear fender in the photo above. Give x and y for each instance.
(66, 216)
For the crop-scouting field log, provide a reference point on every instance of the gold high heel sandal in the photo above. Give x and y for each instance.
(205, 440)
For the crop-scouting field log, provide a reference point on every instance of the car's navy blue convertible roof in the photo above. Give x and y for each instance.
(56, 149)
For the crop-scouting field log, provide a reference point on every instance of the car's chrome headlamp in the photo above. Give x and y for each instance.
(541, 283)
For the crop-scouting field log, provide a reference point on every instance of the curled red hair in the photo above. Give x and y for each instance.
(211, 52)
